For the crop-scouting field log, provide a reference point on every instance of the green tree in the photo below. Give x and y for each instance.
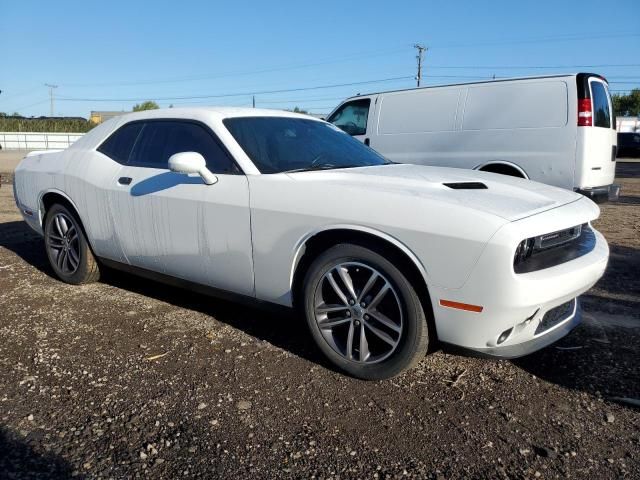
(148, 105)
(3, 114)
(299, 110)
(627, 105)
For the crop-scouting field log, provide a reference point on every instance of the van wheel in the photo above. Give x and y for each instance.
(363, 313)
(67, 248)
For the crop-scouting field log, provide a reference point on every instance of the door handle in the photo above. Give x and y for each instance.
(124, 180)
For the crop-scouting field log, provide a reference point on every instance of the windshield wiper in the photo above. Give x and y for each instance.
(322, 166)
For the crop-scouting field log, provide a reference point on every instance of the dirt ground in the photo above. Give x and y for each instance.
(130, 378)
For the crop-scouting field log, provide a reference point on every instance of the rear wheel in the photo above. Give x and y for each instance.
(67, 248)
(363, 313)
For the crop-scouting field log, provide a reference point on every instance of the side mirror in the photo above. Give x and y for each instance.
(192, 162)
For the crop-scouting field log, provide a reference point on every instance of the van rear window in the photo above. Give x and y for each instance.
(601, 110)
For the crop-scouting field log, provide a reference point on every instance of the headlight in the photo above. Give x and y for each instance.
(524, 250)
(534, 245)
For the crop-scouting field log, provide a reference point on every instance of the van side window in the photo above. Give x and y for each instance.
(352, 117)
(600, 99)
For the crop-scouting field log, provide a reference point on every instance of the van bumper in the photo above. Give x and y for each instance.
(610, 193)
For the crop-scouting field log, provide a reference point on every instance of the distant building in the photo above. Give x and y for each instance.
(99, 117)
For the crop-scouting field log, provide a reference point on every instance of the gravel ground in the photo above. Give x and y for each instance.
(130, 378)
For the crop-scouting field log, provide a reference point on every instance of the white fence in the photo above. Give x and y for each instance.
(37, 140)
(628, 124)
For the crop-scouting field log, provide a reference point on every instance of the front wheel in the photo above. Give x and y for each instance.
(67, 247)
(363, 313)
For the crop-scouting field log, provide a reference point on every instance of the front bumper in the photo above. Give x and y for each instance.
(602, 194)
(514, 304)
(540, 341)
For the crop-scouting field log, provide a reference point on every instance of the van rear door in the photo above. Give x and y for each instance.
(596, 139)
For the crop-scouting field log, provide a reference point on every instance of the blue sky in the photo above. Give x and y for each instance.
(129, 51)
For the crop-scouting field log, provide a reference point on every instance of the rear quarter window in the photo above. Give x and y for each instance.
(119, 145)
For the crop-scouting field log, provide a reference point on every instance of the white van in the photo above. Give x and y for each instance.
(554, 129)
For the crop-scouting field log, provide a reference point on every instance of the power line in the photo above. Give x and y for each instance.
(527, 67)
(241, 94)
(20, 93)
(552, 38)
(356, 56)
(30, 105)
(334, 60)
(272, 102)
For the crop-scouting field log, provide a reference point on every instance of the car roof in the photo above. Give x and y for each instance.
(217, 113)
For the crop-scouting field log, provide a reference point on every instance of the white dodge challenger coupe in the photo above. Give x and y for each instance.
(384, 259)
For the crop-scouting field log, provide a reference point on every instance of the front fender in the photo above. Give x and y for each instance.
(302, 242)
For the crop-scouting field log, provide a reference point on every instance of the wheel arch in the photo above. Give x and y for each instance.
(51, 196)
(504, 164)
(318, 241)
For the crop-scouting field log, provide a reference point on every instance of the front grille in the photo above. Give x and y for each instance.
(558, 238)
(555, 316)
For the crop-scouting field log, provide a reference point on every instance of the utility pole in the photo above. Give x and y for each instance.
(254, 101)
(51, 87)
(421, 49)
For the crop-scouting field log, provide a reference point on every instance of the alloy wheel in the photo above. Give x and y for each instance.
(63, 243)
(358, 312)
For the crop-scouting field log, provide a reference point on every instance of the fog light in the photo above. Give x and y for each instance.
(504, 335)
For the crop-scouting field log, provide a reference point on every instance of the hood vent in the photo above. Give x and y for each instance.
(466, 185)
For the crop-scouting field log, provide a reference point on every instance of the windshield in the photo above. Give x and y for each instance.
(283, 144)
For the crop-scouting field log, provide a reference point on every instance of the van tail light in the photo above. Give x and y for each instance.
(585, 117)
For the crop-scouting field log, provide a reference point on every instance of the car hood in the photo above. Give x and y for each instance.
(510, 198)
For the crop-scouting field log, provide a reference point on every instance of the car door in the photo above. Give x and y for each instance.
(175, 224)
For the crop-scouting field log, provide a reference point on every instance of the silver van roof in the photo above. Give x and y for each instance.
(492, 80)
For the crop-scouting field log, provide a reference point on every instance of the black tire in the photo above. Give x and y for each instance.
(413, 340)
(86, 268)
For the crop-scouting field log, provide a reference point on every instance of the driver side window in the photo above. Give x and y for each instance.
(160, 139)
(352, 117)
